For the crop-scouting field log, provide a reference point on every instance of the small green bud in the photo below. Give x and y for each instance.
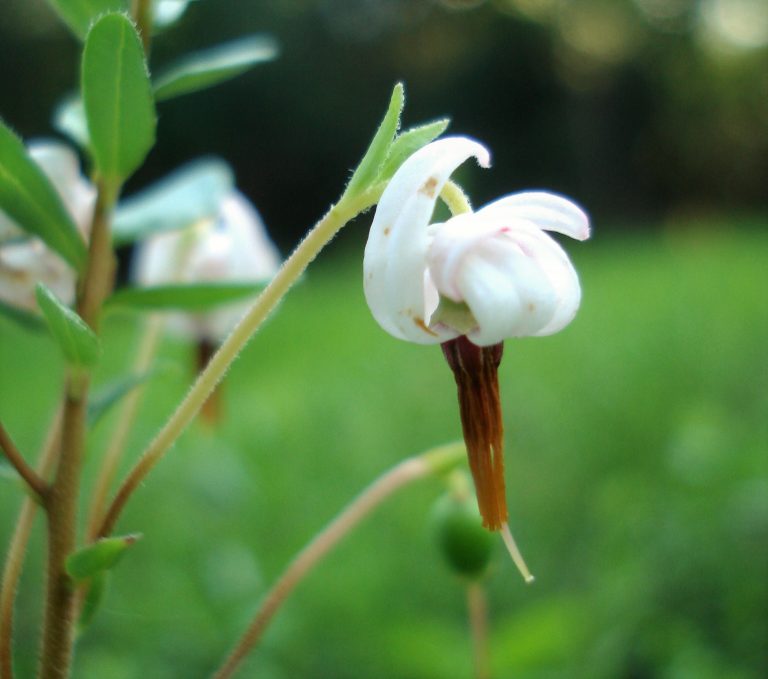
(464, 543)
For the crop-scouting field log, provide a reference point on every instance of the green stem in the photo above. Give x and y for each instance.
(477, 607)
(432, 462)
(344, 211)
(14, 561)
(62, 498)
(455, 198)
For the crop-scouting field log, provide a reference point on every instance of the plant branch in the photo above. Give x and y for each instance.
(30, 477)
(344, 211)
(14, 560)
(407, 471)
(63, 494)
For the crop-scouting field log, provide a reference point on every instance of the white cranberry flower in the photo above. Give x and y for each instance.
(468, 284)
(24, 259)
(232, 246)
(489, 275)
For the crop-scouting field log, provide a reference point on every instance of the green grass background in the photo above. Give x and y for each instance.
(637, 472)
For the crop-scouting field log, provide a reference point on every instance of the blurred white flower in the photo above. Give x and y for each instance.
(489, 274)
(231, 247)
(24, 259)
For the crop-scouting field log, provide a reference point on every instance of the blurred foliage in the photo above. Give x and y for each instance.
(637, 478)
(639, 108)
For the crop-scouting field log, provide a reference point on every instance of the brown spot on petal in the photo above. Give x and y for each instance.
(387, 231)
(420, 322)
(429, 187)
(475, 370)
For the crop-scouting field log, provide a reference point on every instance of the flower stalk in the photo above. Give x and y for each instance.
(434, 461)
(337, 217)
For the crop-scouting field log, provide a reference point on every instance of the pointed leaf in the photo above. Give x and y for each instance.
(191, 297)
(102, 555)
(78, 342)
(210, 67)
(190, 194)
(378, 150)
(117, 96)
(28, 197)
(408, 142)
(79, 14)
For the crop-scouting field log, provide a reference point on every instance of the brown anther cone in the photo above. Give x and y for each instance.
(476, 372)
(210, 412)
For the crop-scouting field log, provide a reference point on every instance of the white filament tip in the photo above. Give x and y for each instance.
(514, 552)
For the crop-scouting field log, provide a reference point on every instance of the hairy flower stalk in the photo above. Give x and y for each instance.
(468, 284)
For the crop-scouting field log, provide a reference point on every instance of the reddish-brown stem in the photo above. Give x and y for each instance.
(14, 561)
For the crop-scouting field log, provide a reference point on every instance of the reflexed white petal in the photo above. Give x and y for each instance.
(395, 255)
(548, 211)
(509, 296)
(555, 264)
(233, 247)
(254, 255)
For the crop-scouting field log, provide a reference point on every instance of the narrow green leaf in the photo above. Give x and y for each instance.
(190, 194)
(69, 119)
(212, 66)
(78, 342)
(101, 556)
(378, 150)
(117, 96)
(192, 297)
(79, 14)
(101, 401)
(97, 589)
(408, 142)
(31, 201)
(22, 317)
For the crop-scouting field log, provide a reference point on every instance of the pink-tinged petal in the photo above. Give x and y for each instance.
(548, 211)
(395, 255)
